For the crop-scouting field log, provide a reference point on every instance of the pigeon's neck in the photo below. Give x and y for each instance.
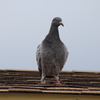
(53, 34)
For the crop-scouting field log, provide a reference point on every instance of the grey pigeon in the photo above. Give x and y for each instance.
(51, 54)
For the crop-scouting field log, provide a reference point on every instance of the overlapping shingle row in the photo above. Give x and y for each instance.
(74, 82)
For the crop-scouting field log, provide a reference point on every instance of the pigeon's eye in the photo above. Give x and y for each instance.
(56, 20)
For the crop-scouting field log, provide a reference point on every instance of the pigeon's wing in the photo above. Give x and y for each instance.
(66, 53)
(61, 55)
(38, 58)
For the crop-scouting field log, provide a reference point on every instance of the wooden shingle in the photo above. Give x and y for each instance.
(75, 82)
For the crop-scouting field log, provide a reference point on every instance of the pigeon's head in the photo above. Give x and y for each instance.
(57, 21)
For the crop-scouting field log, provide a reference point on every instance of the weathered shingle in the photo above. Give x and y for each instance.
(74, 82)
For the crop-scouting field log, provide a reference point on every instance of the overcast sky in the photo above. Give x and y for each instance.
(25, 23)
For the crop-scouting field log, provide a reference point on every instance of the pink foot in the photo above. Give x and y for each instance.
(57, 82)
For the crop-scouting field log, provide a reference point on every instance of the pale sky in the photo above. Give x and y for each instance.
(25, 23)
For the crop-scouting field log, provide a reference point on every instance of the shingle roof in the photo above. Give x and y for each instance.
(75, 82)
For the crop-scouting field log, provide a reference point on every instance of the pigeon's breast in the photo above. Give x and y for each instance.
(55, 54)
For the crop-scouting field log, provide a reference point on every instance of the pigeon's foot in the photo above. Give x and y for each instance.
(42, 82)
(58, 82)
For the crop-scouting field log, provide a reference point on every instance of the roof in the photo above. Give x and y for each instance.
(75, 82)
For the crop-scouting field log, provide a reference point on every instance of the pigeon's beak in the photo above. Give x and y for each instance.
(61, 23)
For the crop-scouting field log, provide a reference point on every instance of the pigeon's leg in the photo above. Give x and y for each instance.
(42, 81)
(57, 80)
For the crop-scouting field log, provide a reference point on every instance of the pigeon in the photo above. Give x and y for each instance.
(51, 54)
